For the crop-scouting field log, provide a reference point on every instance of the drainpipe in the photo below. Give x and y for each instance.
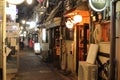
(113, 42)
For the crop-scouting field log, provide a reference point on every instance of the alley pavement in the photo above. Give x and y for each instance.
(31, 67)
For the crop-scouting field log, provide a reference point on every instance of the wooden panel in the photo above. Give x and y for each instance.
(104, 47)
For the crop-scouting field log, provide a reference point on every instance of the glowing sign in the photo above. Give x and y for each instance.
(98, 5)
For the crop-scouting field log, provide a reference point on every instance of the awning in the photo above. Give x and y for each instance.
(54, 23)
(81, 9)
(50, 22)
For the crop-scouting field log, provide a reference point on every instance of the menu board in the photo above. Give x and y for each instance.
(92, 53)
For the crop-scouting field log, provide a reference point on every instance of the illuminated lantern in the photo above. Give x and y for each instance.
(77, 18)
(69, 24)
(80, 14)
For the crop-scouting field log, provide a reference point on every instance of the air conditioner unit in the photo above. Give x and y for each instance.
(87, 71)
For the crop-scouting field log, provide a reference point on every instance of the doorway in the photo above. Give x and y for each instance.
(82, 38)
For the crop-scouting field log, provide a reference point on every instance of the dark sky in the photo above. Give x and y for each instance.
(25, 11)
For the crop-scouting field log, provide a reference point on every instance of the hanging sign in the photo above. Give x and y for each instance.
(98, 5)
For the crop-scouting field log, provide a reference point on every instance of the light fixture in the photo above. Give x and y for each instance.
(15, 2)
(69, 23)
(32, 24)
(77, 19)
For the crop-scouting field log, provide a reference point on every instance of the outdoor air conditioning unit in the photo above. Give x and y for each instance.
(87, 71)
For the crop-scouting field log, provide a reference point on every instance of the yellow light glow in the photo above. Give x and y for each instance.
(77, 18)
(15, 2)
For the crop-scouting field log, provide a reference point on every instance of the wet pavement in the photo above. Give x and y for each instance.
(31, 67)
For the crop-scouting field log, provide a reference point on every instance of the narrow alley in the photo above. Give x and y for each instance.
(31, 67)
(59, 40)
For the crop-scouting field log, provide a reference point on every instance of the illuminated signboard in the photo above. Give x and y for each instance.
(98, 5)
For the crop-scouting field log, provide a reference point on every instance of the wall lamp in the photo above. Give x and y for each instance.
(71, 21)
(77, 19)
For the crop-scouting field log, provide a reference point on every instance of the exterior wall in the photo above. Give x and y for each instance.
(102, 38)
(118, 40)
(117, 48)
(104, 47)
(70, 55)
(44, 46)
